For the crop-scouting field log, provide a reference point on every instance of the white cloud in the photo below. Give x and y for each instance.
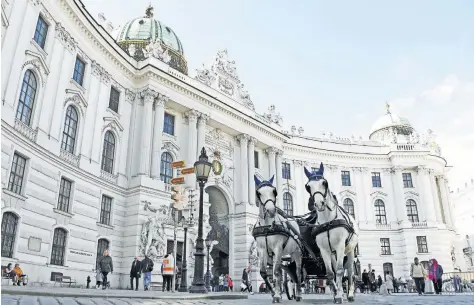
(448, 109)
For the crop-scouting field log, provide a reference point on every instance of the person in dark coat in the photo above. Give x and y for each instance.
(365, 280)
(147, 267)
(106, 265)
(135, 272)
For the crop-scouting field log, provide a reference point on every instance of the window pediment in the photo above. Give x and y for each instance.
(411, 194)
(378, 193)
(113, 123)
(77, 98)
(171, 147)
(347, 193)
(36, 60)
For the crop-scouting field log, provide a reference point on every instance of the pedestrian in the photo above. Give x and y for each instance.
(98, 278)
(379, 283)
(226, 283)
(135, 272)
(106, 266)
(231, 284)
(365, 281)
(373, 285)
(10, 273)
(221, 283)
(418, 274)
(147, 267)
(389, 282)
(167, 271)
(436, 274)
(245, 281)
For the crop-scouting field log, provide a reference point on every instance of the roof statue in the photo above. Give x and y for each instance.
(273, 116)
(387, 105)
(149, 11)
(222, 76)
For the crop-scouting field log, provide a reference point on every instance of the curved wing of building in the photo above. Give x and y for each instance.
(93, 118)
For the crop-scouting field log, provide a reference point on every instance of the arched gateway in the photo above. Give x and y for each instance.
(219, 221)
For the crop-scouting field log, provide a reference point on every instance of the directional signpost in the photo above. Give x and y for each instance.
(177, 180)
(177, 164)
(187, 171)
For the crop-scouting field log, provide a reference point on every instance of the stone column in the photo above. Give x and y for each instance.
(427, 200)
(191, 116)
(399, 198)
(157, 135)
(201, 138)
(271, 151)
(279, 177)
(445, 201)
(299, 204)
(363, 215)
(251, 170)
(244, 176)
(436, 199)
(148, 96)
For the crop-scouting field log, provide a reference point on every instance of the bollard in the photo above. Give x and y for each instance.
(88, 281)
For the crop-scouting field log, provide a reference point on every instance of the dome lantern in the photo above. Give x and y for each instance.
(391, 128)
(146, 36)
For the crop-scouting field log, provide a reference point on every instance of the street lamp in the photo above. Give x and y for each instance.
(208, 273)
(183, 286)
(202, 169)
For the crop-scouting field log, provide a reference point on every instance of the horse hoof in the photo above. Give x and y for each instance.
(298, 299)
(350, 299)
(338, 300)
(276, 300)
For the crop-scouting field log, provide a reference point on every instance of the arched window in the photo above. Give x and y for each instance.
(166, 172)
(412, 211)
(348, 206)
(102, 245)
(288, 204)
(59, 247)
(380, 215)
(108, 152)
(9, 225)
(70, 130)
(388, 267)
(27, 98)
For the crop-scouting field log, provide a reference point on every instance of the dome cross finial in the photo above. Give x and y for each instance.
(387, 105)
(149, 11)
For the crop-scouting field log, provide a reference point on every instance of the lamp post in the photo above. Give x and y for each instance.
(202, 169)
(189, 222)
(208, 273)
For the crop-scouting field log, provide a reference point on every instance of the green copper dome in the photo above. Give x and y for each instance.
(145, 30)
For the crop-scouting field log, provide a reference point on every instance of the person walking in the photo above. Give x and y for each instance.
(147, 267)
(379, 283)
(167, 271)
(231, 284)
(389, 282)
(365, 281)
(418, 274)
(245, 281)
(106, 267)
(226, 283)
(435, 275)
(135, 272)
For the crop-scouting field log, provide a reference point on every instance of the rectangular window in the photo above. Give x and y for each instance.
(385, 246)
(79, 69)
(64, 195)
(407, 182)
(255, 159)
(41, 31)
(168, 126)
(17, 174)
(422, 244)
(376, 182)
(114, 99)
(286, 171)
(105, 210)
(346, 178)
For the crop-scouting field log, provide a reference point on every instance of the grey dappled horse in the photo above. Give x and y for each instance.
(273, 246)
(337, 235)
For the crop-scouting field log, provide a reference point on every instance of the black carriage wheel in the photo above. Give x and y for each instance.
(285, 284)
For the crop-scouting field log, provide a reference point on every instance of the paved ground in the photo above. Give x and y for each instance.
(10, 299)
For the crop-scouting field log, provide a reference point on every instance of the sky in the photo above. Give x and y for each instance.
(331, 65)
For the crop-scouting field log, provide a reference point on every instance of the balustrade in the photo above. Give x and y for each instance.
(108, 176)
(25, 130)
(69, 158)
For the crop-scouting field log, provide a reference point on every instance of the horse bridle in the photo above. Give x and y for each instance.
(324, 195)
(275, 193)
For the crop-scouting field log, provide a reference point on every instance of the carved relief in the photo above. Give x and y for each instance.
(155, 49)
(152, 238)
(205, 76)
(245, 97)
(65, 38)
(226, 86)
(253, 255)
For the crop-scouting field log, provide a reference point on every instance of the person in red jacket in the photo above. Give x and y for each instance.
(231, 284)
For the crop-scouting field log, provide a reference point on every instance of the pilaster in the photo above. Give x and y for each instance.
(191, 116)
(201, 131)
(364, 214)
(436, 199)
(399, 201)
(279, 177)
(148, 96)
(244, 168)
(159, 107)
(251, 170)
(299, 204)
(445, 201)
(427, 201)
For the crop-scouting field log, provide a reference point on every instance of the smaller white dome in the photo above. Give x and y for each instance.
(389, 120)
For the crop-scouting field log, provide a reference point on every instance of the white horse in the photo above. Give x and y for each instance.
(276, 236)
(336, 234)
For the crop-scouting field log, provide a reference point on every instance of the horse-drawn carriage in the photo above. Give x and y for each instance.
(317, 245)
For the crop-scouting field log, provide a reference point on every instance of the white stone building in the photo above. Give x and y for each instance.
(92, 116)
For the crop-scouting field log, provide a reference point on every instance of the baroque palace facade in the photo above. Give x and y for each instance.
(93, 116)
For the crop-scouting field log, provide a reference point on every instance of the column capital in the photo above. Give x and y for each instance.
(298, 163)
(279, 153)
(161, 100)
(130, 95)
(149, 95)
(243, 138)
(65, 38)
(423, 170)
(96, 69)
(360, 169)
(192, 114)
(105, 77)
(396, 169)
(203, 118)
(331, 167)
(253, 141)
(271, 150)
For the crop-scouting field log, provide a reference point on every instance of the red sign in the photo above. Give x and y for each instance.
(177, 164)
(187, 171)
(178, 180)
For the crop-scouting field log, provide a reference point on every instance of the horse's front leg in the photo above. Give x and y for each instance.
(326, 256)
(263, 270)
(299, 279)
(277, 275)
(350, 276)
(339, 271)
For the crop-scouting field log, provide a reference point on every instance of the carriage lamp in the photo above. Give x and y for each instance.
(208, 273)
(202, 169)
